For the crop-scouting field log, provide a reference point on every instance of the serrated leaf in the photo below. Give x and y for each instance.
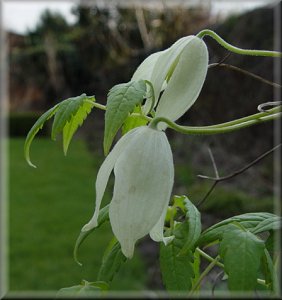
(241, 252)
(133, 121)
(34, 130)
(112, 261)
(193, 218)
(122, 99)
(248, 221)
(66, 111)
(76, 120)
(178, 201)
(177, 271)
(102, 218)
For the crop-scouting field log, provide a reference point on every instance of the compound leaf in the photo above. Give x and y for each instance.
(67, 112)
(76, 120)
(34, 130)
(122, 99)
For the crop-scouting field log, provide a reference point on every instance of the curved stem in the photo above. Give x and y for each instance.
(221, 128)
(103, 107)
(237, 50)
(205, 272)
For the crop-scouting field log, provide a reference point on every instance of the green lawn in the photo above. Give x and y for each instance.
(48, 207)
(50, 204)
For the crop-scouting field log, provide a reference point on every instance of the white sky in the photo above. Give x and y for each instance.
(20, 15)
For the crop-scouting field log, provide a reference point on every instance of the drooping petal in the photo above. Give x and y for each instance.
(104, 174)
(143, 182)
(157, 232)
(186, 81)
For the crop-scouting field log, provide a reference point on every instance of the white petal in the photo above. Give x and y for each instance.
(143, 182)
(104, 174)
(157, 232)
(165, 62)
(186, 81)
(145, 69)
(156, 67)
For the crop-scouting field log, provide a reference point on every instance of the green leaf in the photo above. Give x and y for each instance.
(272, 223)
(112, 261)
(270, 242)
(193, 218)
(248, 221)
(76, 120)
(267, 267)
(177, 271)
(133, 121)
(196, 268)
(68, 111)
(34, 130)
(241, 252)
(122, 99)
(84, 289)
(102, 218)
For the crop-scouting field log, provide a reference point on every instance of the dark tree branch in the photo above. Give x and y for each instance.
(237, 69)
(234, 174)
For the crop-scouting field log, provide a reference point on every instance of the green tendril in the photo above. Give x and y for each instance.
(237, 50)
(223, 127)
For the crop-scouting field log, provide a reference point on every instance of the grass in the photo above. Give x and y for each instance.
(48, 207)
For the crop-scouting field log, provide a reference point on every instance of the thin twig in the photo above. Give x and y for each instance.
(244, 168)
(240, 171)
(233, 68)
(213, 163)
(220, 62)
(217, 278)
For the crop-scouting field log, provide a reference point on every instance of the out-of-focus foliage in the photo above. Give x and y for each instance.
(103, 47)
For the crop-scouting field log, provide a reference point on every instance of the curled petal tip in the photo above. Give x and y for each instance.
(90, 225)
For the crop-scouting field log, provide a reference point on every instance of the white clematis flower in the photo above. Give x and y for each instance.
(144, 173)
(182, 70)
(142, 159)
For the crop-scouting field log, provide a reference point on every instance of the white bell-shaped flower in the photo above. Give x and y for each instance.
(180, 71)
(144, 174)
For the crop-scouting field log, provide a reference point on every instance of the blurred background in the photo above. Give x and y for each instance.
(62, 49)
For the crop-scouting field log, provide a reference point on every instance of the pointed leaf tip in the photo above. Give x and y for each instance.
(34, 130)
(122, 99)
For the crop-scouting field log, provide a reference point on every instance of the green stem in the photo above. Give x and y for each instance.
(205, 272)
(220, 128)
(237, 50)
(209, 258)
(103, 107)
(247, 118)
(219, 264)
